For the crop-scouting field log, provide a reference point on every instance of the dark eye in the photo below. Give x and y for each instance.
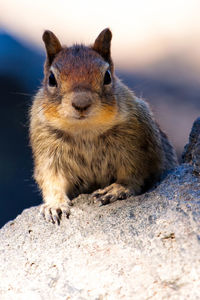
(107, 78)
(52, 80)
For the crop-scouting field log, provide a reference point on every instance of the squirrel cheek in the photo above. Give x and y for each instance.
(54, 117)
(51, 111)
(106, 116)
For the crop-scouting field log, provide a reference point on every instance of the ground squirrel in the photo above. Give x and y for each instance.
(89, 133)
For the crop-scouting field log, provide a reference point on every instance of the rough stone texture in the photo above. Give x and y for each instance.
(145, 247)
(191, 152)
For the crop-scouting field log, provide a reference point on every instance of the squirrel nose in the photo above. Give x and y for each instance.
(81, 103)
(80, 107)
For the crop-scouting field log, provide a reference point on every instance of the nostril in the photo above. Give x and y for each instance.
(80, 107)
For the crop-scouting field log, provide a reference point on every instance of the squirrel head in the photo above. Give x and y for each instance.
(79, 83)
(101, 45)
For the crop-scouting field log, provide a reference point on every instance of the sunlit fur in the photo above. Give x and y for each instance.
(115, 140)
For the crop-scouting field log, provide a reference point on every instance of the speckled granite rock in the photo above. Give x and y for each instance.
(146, 247)
(191, 152)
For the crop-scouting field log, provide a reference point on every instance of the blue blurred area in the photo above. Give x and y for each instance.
(20, 76)
(174, 97)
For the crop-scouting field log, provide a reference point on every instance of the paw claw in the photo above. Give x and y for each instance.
(106, 199)
(53, 214)
(112, 193)
(99, 193)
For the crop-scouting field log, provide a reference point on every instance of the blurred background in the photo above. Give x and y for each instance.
(156, 50)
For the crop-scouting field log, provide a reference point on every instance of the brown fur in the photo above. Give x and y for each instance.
(87, 135)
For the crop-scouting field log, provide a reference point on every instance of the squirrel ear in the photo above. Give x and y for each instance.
(102, 44)
(52, 45)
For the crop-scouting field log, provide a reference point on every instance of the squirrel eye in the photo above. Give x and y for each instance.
(52, 80)
(107, 78)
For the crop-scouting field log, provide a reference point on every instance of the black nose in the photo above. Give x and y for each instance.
(81, 102)
(81, 106)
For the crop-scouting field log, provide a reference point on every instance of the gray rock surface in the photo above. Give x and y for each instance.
(191, 153)
(145, 247)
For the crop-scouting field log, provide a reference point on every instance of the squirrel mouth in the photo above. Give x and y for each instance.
(81, 117)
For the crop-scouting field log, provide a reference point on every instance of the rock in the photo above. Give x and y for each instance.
(145, 247)
(191, 152)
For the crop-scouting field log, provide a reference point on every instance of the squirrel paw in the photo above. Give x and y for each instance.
(53, 213)
(112, 193)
